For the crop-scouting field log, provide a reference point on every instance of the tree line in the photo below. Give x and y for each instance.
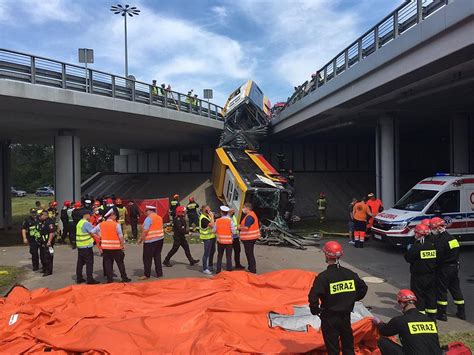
(33, 164)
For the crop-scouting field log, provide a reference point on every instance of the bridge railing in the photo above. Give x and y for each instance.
(43, 71)
(392, 26)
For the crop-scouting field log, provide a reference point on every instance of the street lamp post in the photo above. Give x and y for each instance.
(124, 11)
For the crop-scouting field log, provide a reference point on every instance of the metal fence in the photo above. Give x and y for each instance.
(395, 24)
(43, 71)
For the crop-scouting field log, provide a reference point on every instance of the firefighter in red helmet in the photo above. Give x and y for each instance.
(417, 332)
(332, 297)
(174, 203)
(422, 258)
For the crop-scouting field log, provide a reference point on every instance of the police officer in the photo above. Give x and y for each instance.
(174, 203)
(447, 251)
(332, 297)
(76, 215)
(417, 332)
(422, 258)
(30, 234)
(192, 212)
(46, 242)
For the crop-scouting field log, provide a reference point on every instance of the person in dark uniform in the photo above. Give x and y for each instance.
(46, 229)
(447, 271)
(422, 258)
(179, 238)
(65, 221)
(291, 178)
(174, 203)
(332, 297)
(30, 234)
(417, 332)
(192, 212)
(76, 216)
(134, 216)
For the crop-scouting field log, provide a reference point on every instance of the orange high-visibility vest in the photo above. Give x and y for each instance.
(224, 231)
(109, 238)
(254, 230)
(156, 229)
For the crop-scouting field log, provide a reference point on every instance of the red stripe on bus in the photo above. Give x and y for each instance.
(432, 182)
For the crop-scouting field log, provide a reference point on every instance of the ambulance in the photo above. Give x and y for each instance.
(448, 196)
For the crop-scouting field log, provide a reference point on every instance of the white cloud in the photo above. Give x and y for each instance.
(220, 11)
(39, 12)
(174, 51)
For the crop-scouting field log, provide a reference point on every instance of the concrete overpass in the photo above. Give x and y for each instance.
(411, 75)
(51, 102)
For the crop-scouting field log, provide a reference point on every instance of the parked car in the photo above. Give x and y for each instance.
(17, 193)
(45, 191)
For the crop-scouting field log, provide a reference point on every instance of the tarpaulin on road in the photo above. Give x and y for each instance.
(226, 314)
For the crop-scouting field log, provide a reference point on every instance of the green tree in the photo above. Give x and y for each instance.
(95, 159)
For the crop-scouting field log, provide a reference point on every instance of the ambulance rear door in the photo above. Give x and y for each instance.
(469, 209)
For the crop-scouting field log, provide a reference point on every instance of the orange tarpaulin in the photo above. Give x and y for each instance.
(226, 314)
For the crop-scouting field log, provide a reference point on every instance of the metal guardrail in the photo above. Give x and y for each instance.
(392, 26)
(43, 71)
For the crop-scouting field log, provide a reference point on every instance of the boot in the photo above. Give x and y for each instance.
(361, 244)
(356, 244)
(441, 315)
(461, 313)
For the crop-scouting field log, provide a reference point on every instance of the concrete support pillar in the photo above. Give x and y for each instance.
(387, 161)
(5, 184)
(67, 174)
(459, 144)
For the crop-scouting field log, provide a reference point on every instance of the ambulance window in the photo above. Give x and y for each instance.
(446, 203)
(415, 200)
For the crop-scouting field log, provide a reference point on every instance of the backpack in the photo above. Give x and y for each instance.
(456, 348)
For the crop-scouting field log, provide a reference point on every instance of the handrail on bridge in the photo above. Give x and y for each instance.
(396, 23)
(44, 71)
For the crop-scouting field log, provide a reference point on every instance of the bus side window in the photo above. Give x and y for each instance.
(236, 195)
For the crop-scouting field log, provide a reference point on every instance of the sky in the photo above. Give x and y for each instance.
(196, 44)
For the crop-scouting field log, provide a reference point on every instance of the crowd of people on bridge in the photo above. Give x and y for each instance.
(101, 223)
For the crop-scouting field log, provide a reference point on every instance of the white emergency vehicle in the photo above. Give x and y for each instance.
(450, 197)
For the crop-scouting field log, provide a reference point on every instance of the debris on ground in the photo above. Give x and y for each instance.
(277, 233)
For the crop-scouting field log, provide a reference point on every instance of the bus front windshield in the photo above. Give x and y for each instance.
(415, 200)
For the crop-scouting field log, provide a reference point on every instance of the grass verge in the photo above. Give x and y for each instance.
(466, 338)
(9, 275)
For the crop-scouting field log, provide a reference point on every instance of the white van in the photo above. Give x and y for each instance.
(448, 196)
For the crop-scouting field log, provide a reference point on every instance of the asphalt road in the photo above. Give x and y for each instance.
(376, 259)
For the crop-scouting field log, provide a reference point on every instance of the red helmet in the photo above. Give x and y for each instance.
(67, 203)
(437, 222)
(406, 296)
(333, 250)
(180, 211)
(322, 194)
(191, 199)
(422, 230)
(96, 203)
(77, 204)
(53, 204)
(118, 201)
(176, 196)
(109, 201)
(425, 222)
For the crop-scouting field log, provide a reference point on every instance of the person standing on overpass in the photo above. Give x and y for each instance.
(332, 298)
(360, 213)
